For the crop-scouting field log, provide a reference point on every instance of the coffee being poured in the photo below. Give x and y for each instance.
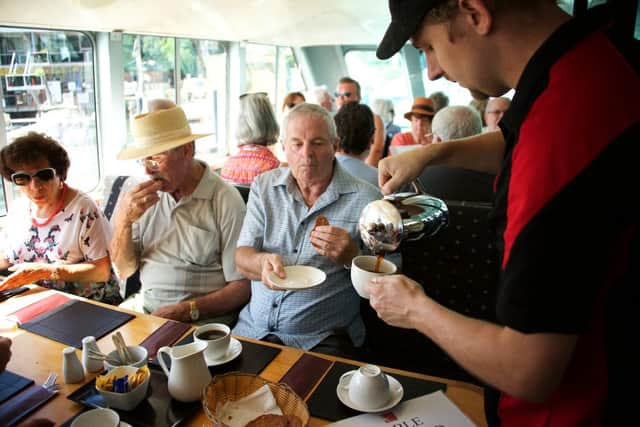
(385, 223)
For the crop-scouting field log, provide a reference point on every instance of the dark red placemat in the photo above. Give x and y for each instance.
(31, 311)
(305, 373)
(167, 334)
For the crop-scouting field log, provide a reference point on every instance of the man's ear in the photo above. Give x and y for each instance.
(477, 15)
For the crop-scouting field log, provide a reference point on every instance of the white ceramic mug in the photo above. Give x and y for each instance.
(362, 270)
(216, 336)
(368, 387)
(101, 417)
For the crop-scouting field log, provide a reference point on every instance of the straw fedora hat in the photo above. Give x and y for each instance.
(157, 132)
(421, 105)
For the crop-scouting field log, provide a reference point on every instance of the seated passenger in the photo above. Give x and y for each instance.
(257, 133)
(279, 231)
(291, 100)
(420, 116)
(179, 228)
(450, 183)
(354, 123)
(56, 236)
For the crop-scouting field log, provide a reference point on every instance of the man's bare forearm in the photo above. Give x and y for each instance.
(122, 249)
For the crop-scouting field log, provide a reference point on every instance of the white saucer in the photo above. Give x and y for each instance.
(299, 277)
(234, 350)
(396, 396)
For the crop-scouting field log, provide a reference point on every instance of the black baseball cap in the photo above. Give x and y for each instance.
(406, 16)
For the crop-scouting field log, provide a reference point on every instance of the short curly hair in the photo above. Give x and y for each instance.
(354, 122)
(31, 148)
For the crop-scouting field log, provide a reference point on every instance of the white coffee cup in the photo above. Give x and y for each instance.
(216, 336)
(362, 270)
(368, 387)
(101, 417)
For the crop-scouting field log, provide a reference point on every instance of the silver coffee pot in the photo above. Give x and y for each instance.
(385, 223)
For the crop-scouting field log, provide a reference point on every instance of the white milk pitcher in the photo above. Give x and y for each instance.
(189, 372)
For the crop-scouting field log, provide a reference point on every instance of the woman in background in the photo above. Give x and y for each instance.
(56, 236)
(257, 132)
(291, 100)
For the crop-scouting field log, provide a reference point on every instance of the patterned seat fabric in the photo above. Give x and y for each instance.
(459, 269)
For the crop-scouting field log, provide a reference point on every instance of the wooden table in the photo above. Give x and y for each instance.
(35, 357)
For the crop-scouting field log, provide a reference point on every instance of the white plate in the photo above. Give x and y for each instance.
(299, 277)
(396, 396)
(234, 350)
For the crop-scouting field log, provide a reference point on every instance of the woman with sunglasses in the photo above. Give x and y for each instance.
(291, 100)
(56, 235)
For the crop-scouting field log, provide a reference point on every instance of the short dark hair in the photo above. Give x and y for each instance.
(31, 148)
(353, 82)
(354, 122)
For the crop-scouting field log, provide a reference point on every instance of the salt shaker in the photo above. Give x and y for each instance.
(90, 365)
(71, 366)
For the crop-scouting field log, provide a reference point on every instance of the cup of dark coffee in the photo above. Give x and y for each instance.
(216, 336)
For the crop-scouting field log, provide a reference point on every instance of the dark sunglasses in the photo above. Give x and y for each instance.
(24, 178)
(339, 94)
(253, 93)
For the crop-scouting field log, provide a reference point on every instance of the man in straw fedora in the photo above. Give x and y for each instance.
(180, 227)
(420, 116)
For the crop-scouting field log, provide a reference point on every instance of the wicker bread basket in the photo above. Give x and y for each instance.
(236, 385)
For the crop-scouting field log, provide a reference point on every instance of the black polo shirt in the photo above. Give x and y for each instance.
(567, 213)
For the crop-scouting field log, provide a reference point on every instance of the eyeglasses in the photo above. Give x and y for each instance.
(339, 94)
(253, 93)
(154, 162)
(23, 178)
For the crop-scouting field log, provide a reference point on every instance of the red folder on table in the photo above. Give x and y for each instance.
(37, 308)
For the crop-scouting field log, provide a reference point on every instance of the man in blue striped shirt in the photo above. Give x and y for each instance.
(278, 231)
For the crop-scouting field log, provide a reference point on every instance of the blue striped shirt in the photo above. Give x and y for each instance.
(278, 221)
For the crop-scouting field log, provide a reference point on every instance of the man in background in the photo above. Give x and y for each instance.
(496, 107)
(348, 90)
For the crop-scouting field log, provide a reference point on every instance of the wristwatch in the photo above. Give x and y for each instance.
(194, 313)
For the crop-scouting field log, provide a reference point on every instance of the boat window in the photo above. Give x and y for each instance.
(47, 85)
(381, 79)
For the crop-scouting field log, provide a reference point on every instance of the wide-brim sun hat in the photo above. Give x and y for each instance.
(406, 16)
(158, 131)
(421, 105)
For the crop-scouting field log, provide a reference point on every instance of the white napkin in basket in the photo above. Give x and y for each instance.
(238, 413)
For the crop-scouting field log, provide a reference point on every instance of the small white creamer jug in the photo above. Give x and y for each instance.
(189, 372)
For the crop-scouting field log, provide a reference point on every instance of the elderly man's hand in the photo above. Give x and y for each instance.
(179, 312)
(5, 352)
(334, 243)
(271, 263)
(139, 199)
(394, 297)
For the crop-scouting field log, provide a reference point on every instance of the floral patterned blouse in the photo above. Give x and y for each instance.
(76, 234)
(249, 162)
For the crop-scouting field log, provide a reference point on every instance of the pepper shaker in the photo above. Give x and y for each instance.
(71, 366)
(90, 364)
